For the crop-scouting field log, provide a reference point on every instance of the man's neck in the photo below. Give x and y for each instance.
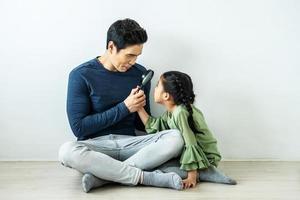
(105, 61)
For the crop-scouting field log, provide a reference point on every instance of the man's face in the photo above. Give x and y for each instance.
(125, 58)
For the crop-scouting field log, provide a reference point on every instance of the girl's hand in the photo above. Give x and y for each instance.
(191, 180)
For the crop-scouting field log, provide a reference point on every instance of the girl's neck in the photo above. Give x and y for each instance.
(171, 106)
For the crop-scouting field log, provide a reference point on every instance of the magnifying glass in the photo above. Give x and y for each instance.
(146, 77)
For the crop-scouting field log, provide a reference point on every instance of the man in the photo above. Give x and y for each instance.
(102, 102)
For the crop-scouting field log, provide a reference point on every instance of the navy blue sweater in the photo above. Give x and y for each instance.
(95, 100)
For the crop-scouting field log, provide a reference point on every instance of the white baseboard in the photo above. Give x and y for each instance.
(224, 160)
(259, 160)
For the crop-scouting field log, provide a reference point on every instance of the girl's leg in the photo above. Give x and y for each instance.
(211, 174)
(214, 175)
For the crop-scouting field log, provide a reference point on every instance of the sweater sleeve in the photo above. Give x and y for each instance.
(192, 157)
(155, 124)
(82, 121)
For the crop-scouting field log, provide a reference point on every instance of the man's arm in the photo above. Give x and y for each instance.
(82, 122)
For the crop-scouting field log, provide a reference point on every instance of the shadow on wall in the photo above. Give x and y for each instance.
(165, 53)
(239, 123)
(236, 116)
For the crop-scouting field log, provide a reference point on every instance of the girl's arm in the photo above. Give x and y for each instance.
(153, 124)
(143, 115)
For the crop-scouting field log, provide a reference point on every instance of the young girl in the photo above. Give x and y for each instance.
(200, 155)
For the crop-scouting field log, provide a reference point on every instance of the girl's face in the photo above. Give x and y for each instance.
(159, 92)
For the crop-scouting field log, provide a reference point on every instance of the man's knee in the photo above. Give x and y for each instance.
(65, 151)
(176, 143)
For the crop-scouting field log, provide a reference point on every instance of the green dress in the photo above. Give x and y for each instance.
(200, 150)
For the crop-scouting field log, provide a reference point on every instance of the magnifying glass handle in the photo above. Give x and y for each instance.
(139, 88)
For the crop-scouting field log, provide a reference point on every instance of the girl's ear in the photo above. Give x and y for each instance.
(166, 96)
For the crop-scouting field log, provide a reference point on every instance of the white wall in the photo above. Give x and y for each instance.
(242, 56)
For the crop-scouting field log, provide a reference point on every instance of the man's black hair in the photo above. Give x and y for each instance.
(126, 32)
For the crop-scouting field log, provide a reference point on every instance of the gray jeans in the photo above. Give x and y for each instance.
(121, 158)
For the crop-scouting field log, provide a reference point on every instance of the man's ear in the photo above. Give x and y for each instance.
(111, 46)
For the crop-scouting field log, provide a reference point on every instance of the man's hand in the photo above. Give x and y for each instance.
(136, 100)
(191, 180)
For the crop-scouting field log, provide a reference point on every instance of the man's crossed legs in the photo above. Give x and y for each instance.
(122, 159)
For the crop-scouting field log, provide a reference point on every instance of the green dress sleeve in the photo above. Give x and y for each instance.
(206, 141)
(156, 124)
(192, 157)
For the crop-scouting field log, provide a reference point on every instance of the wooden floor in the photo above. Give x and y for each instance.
(50, 180)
